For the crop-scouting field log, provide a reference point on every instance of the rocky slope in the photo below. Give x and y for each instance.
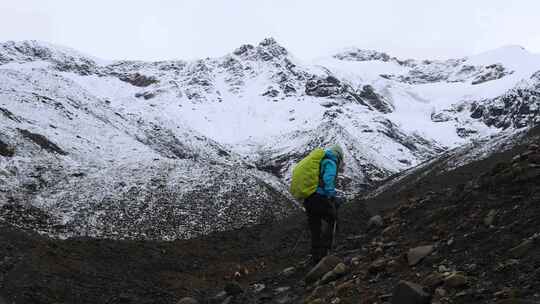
(175, 149)
(472, 241)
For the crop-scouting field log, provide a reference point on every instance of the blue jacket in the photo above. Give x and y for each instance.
(328, 175)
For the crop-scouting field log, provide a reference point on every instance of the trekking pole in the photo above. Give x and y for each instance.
(333, 236)
(335, 226)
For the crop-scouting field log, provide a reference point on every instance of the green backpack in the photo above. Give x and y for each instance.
(305, 175)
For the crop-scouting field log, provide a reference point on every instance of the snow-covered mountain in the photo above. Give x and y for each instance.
(174, 149)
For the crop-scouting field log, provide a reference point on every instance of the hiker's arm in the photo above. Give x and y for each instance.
(329, 178)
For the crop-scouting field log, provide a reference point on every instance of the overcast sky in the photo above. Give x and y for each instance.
(176, 29)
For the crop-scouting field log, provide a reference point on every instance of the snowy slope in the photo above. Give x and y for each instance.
(99, 170)
(173, 149)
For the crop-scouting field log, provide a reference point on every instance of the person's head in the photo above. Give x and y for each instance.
(338, 152)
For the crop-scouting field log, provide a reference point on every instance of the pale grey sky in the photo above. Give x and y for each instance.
(177, 29)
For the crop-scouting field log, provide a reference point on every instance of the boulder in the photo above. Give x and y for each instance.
(415, 255)
(490, 218)
(456, 280)
(336, 273)
(375, 222)
(327, 264)
(377, 266)
(521, 250)
(410, 293)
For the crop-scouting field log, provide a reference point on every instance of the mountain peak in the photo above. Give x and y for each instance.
(267, 49)
(268, 41)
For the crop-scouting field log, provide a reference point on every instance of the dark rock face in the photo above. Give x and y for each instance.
(6, 113)
(452, 70)
(269, 49)
(491, 72)
(464, 132)
(43, 142)
(6, 150)
(84, 68)
(271, 92)
(362, 55)
(517, 108)
(441, 116)
(243, 49)
(375, 100)
(411, 142)
(139, 80)
(429, 71)
(331, 87)
(328, 87)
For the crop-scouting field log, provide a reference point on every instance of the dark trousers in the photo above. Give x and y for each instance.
(319, 210)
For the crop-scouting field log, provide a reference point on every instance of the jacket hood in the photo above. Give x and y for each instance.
(331, 155)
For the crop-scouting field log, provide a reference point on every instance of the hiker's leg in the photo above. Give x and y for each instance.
(314, 223)
(328, 233)
(322, 211)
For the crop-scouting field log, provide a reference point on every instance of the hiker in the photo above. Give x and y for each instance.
(321, 203)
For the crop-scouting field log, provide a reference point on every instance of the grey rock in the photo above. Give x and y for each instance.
(288, 271)
(375, 222)
(258, 288)
(227, 300)
(324, 266)
(456, 280)
(410, 293)
(188, 300)
(490, 218)
(415, 255)
(282, 289)
(377, 266)
(336, 273)
(139, 80)
(521, 250)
